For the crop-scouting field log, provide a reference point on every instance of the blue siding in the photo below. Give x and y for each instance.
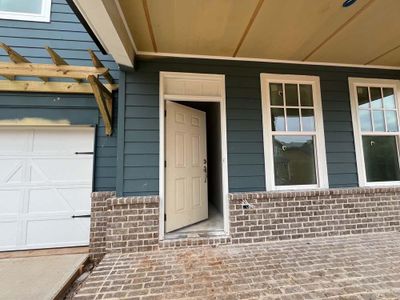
(244, 120)
(67, 37)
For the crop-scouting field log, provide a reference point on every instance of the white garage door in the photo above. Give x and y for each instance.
(45, 186)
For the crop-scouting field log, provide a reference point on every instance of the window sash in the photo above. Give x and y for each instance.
(44, 16)
(317, 133)
(315, 162)
(354, 83)
(396, 140)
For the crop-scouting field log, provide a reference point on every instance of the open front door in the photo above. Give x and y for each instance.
(186, 166)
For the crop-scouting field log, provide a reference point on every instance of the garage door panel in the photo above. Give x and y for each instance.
(62, 169)
(11, 171)
(73, 197)
(59, 200)
(47, 201)
(72, 140)
(9, 203)
(44, 233)
(14, 140)
(8, 236)
(43, 183)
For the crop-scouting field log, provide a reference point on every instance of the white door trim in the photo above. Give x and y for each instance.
(198, 88)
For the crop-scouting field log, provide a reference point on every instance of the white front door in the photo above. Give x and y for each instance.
(45, 186)
(186, 166)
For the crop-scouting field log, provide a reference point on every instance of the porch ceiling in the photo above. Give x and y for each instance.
(366, 33)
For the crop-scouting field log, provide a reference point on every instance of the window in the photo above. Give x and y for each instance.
(294, 143)
(25, 10)
(375, 110)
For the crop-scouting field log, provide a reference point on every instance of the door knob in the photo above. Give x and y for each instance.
(205, 173)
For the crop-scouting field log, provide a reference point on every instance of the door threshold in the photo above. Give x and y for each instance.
(194, 234)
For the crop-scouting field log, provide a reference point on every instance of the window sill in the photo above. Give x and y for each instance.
(297, 188)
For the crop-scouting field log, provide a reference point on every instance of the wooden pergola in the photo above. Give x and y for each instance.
(86, 80)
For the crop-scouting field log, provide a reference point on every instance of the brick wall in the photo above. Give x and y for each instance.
(132, 224)
(265, 216)
(98, 224)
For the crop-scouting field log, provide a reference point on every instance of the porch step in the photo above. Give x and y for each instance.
(195, 240)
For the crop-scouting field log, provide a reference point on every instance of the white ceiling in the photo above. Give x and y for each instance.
(367, 32)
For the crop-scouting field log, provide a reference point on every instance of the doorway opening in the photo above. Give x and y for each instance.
(211, 221)
(193, 156)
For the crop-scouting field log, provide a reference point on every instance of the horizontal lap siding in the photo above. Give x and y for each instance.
(141, 134)
(66, 35)
(244, 120)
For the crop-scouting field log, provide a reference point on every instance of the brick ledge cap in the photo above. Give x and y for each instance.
(320, 192)
(132, 200)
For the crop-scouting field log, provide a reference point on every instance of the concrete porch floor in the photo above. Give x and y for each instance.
(359, 267)
(39, 277)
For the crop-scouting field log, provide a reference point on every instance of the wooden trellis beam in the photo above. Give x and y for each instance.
(49, 87)
(104, 102)
(38, 70)
(58, 60)
(98, 64)
(17, 58)
(11, 78)
(21, 66)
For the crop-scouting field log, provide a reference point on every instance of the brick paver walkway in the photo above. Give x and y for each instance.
(354, 267)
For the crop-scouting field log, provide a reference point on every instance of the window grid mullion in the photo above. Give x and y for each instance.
(371, 110)
(384, 112)
(284, 104)
(299, 108)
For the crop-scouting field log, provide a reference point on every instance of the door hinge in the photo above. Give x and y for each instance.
(165, 113)
(165, 163)
(165, 217)
(84, 153)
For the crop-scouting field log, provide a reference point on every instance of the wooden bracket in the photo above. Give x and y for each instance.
(104, 102)
(98, 64)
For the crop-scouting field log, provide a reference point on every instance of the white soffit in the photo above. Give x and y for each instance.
(104, 19)
(303, 31)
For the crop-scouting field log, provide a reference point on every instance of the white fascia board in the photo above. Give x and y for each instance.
(104, 19)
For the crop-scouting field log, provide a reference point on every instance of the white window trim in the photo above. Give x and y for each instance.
(353, 83)
(44, 16)
(320, 153)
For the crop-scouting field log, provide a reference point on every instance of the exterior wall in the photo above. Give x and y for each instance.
(98, 224)
(120, 225)
(67, 37)
(292, 215)
(132, 222)
(138, 165)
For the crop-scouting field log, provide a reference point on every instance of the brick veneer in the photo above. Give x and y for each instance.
(259, 217)
(98, 224)
(131, 224)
